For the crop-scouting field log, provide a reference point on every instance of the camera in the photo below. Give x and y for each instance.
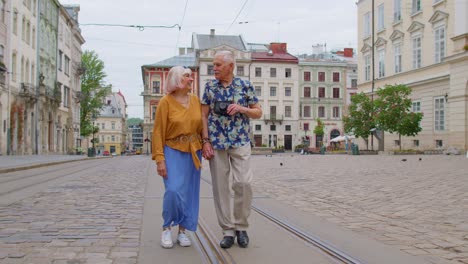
(220, 107)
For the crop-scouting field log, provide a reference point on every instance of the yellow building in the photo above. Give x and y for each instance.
(424, 45)
(111, 137)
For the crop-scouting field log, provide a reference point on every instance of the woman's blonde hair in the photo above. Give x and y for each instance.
(174, 78)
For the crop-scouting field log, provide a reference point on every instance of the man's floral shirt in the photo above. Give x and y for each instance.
(229, 131)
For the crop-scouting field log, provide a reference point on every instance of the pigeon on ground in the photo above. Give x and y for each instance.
(281, 163)
(420, 159)
(403, 160)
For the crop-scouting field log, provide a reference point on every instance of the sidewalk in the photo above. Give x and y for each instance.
(21, 162)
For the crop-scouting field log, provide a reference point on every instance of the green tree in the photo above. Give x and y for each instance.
(319, 130)
(360, 119)
(93, 89)
(393, 108)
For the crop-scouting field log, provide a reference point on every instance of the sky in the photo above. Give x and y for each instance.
(299, 23)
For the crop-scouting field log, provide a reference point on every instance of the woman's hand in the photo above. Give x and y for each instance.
(162, 168)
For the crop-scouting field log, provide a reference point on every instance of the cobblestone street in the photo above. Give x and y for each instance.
(420, 206)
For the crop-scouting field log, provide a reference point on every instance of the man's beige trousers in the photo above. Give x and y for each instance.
(226, 164)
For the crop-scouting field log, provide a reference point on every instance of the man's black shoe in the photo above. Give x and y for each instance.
(242, 239)
(227, 242)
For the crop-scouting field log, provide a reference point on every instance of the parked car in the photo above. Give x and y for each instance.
(106, 153)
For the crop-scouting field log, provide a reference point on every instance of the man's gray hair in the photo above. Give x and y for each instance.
(228, 56)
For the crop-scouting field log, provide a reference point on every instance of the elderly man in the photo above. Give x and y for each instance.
(228, 103)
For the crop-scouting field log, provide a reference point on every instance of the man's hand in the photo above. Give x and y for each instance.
(235, 108)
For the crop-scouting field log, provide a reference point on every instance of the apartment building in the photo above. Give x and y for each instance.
(112, 134)
(323, 94)
(154, 76)
(424, 45)
(274, 75)
(5, 20)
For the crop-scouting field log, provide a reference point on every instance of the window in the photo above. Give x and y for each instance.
(258, 91)
(272, 72)
(15, 22)
(287, 111)
(307, 76)
(439, 114)
(396, 10)
(439, 143)
(287, 91)
(240, 70)
(258, 72)
(353, 83)
(272, 127)
(272, 91)
(103, 125)
(336, 112)
(321, 111)
(416, 107)
(336, 77)
(210, 70)
(273, 112)
(321, 76)
(2, 11)
(306, 126)
(397, 57)
(28, 32)
(66, 95)
(307, 111)
(416, 143)
(33, 38)
(381, 63)
(380, 18)
(67, 65)
(367, 24)
(307, 92)
(439, 42)
(23, 29)
(258, 127)
(336, 92)
(367, 67)
(113, 125)
(13, 67)
(416, 44)
(113, 138)
(416, 6)
(156, 87)
(321, 92)
(287, 128)
(153, 112)
(60, 60)
(396, 142)
(287, 73)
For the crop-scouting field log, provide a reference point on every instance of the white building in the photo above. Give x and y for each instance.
(422, 44)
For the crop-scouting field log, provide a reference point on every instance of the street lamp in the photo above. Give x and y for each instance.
(93, 154)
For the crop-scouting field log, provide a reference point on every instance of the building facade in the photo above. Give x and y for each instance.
(424, 45)
(111, 137)
(154, 77)
(37, 41)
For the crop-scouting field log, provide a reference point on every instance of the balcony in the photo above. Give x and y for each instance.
(273, 118)
(28, 92)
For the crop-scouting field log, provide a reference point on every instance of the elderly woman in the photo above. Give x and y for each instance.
(177, 152)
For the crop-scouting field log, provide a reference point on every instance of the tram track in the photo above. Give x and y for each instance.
(314, 241)
(39, 178)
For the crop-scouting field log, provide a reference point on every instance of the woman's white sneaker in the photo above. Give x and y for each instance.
(183, 240)
(166, 239)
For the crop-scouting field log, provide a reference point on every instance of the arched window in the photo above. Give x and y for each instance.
(334, 133)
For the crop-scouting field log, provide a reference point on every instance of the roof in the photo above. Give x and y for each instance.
(187, 60)
(113, 109)
(274, 57)
(208, 41)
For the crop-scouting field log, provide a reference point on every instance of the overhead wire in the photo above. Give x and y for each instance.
(139, 27)
(181, 23)
(242, 8)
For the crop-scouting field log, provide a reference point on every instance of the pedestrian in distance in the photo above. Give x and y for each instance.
(228, 104)
(176, 143)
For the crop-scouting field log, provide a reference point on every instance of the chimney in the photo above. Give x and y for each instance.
(348, 52)
(280, 48)
(181, 51)
(212, 32)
